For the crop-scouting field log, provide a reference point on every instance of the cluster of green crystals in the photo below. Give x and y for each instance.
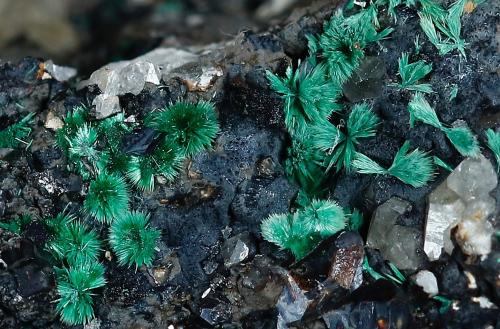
(326, 133)
(93, 150)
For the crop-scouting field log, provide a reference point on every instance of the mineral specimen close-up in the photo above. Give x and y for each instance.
(249, 164)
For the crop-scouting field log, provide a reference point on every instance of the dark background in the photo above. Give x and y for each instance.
(88, 34)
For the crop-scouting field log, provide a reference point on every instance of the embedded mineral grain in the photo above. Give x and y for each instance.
(399, 244)
(462, 201)
(427, 280)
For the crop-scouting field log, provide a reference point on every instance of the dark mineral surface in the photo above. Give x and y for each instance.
(211, 267)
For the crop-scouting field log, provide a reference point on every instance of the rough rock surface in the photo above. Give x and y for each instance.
(196, 280)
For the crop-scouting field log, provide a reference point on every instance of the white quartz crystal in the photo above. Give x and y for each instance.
(473, 179)
(106, 106)
(462, 202)
(60, 73)
(53, 122)
(119, 78)
(427, 281)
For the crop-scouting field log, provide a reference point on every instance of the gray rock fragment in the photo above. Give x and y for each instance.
(236, 249)
(217, 314)
(209, 267)
(60, 73)
(292, 303)
(260, 285)
(167, 271)
(337, 319)
(399, 244)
